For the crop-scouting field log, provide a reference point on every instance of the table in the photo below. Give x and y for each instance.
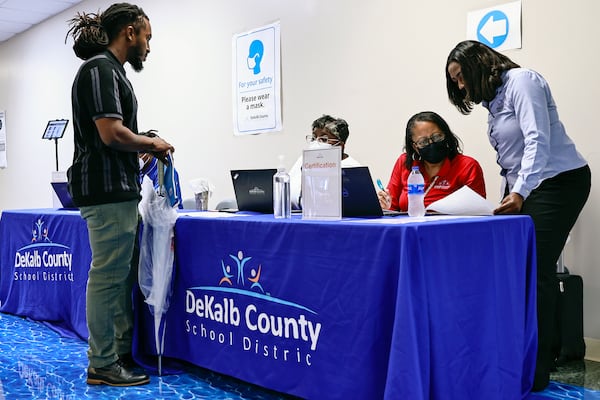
(361, 309)
(44, 260)
(442, 309)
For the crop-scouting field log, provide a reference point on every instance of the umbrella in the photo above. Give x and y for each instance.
(156, 256)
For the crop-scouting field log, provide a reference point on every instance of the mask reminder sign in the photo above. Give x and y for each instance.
(322, 184)
(256, 81)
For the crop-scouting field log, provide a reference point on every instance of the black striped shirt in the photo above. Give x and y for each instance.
(100, 174)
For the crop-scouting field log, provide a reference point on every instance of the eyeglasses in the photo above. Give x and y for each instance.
(322, 139)
(434, 138)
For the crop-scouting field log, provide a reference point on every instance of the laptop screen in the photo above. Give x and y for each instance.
(254, 189)
(359, 198)
(62, 192)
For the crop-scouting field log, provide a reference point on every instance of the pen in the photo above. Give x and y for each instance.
(380, 185)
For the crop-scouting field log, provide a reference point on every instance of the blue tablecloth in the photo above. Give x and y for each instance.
(44, 260)
(349, 309)
(443, 309)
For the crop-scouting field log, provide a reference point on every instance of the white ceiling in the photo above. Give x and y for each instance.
(17, 16)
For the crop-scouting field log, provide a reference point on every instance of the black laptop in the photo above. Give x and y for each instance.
(254, 189)
(359, 198)
(62, 192)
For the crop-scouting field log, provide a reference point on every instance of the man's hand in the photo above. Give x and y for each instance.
(161, 148)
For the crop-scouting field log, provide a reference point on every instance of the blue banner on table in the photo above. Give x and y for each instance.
(45, 257)
(468, 315)
(365, 310)
(248, 301)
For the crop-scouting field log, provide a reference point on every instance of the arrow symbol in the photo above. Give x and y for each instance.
(493, 28)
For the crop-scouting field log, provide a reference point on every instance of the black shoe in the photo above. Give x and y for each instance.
(127, 361)
(115, 375)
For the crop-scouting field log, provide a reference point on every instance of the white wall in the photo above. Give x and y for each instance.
(373, 63)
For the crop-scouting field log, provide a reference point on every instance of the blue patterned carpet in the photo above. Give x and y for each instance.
(36, 363)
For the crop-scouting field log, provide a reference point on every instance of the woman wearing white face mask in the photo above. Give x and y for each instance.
(327, 131)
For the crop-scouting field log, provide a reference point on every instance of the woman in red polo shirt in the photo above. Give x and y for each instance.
(432, 146)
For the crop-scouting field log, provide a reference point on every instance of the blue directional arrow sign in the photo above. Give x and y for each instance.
(498, 27)
(493, 29)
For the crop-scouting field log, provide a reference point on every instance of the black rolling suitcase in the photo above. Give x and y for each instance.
(570, 315)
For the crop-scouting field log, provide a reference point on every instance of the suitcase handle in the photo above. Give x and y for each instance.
(560, 264)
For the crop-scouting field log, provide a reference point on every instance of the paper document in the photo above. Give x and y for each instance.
(464, 201)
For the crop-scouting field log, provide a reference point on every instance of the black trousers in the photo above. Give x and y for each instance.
(554, 207)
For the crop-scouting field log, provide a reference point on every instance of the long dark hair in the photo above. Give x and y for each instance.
(481, 68)
(93, 32)
(452, 141)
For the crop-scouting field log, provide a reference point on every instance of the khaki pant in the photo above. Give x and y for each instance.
(112, 230)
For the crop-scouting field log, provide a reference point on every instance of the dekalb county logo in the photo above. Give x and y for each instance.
(240, 262)
(239, 312)
(242, 278)
(42, 259)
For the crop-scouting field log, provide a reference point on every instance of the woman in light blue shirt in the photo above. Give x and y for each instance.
(545, 176)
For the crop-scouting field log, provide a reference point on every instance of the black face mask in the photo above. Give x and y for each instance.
(434, 152)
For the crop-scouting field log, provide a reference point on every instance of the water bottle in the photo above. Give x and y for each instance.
(282, 206)
(416, 193)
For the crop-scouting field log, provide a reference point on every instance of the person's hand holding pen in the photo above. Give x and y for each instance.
(385, 201)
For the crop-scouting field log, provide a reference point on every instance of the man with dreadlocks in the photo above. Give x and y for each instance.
(103, 179)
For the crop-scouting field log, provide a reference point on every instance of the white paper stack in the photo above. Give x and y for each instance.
(464, 201)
